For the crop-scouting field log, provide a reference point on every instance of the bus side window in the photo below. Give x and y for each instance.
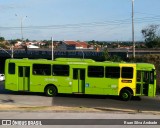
(127, 72)
(11, 68)
(96, 71)
(34, 72)
(138, 76)
(152, 77)
(75, 74)
(60, 70)
(146, 77)
(112, 72)
(20, 70)
(82, 74)
(41, 69)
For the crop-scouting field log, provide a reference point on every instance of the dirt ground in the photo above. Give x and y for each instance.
(6, 107)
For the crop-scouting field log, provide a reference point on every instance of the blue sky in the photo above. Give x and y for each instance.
(77, 19)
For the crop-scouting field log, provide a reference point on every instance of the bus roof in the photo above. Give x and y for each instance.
(144, 66)
(74, 60)
(140, 66)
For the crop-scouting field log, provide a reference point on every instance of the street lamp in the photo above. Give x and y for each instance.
(133, 29)
(21, 18)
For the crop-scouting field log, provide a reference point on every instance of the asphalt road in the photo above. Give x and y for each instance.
(98, 102)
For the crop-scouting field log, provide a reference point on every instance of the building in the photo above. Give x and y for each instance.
(72, 45)
(18, 44)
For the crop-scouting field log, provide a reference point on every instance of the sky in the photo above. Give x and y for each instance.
(84, 20)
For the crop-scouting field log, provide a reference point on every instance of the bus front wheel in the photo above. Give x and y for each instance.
(51, 91)
(125, 95)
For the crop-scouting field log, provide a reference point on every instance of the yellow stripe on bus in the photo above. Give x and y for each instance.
(126, 82)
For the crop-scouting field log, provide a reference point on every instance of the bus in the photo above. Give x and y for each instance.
(80, 76)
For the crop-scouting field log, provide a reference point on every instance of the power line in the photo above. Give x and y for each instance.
(91, 24)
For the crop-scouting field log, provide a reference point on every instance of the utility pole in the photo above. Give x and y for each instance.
(12, 51)
(133, 29)
(52, 49)
(21, 18)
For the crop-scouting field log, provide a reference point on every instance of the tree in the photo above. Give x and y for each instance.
(13, 42)
(106, 54)
(152, 39)
(27, 40)
(2, 39)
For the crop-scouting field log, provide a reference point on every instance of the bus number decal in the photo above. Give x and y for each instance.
(113, 86)
(51, 79)
(126, 81)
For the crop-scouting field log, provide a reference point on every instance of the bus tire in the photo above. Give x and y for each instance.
(51, 91)
(125, 95)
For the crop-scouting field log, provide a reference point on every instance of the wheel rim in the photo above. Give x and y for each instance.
(125, 95)
(50, 92)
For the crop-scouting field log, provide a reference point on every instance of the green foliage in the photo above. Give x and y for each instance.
(106, 55)
(3, 46)
(150, 58)
(27, 40)
(2, 39)
(13, 42)
(152, 39)
(113, 58)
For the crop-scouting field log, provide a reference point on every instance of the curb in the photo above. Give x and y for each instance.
(129, 111)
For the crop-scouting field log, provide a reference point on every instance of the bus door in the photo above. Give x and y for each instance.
(145, 83)
(23, 78)
(78, 80)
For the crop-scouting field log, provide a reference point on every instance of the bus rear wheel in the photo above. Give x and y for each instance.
(51, 91)
(125, 95)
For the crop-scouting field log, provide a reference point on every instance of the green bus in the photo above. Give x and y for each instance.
(80, 76)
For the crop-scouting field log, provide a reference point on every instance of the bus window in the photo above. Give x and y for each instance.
(127, 72)
(42, 69)
(138, 76)
(152, 77)
(146, 77)
(95, 71)
(82, 74)
(24, 71)
(112, 72)
(60, 70)
(11, 69)
(20, 72)
(75, 74)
